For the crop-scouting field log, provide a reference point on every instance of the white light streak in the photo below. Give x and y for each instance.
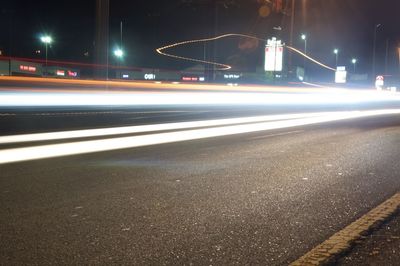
(147, 128)
(92, 146)
(329, 96)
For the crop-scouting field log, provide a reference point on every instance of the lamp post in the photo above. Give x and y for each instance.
(46, 40)
(377, 26)
(354, 62)
(304, 38)
(336, 52)
(119, 54)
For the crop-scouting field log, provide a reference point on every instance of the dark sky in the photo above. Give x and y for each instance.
(345, 24)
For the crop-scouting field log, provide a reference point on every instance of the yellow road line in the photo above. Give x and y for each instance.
(342, 240)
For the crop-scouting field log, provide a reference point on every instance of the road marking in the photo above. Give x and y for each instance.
(342, 240)
(277, 135)
(102, 145)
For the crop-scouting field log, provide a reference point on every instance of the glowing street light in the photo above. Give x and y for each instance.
(47, 40)
(304, 38)
(336, 52)
(119, 53)
(354, 62)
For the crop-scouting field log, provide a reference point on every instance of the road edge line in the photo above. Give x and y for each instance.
(343, 240)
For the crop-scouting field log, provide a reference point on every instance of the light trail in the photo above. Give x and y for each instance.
(224, 66)
(93, 146)
(74, 98)
(102, 132)
(310, 58)
(122, 86)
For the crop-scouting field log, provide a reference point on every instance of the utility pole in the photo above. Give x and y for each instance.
(374, 51)
(214, 68)
(102, 38)
(291, 33)
(387, 57)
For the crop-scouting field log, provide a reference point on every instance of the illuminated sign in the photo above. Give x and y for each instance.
(274, 55)
(149, 77)
(27, 68)
(60, 73)
(379, 82)
(341, 75)
(73, 74)
(125, 76)
(231, 76)
(185, 78)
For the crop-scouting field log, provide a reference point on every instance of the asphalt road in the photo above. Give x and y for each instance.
(260, 198)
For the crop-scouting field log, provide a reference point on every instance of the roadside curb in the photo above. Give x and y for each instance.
(343, 240)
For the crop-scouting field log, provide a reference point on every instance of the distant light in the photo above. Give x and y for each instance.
(303, 37)
(354, 61)
(46, 39)
(119, 53)
(336, 51)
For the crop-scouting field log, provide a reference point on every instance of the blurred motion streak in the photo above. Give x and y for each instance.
(102, 145)
(74, 98)
(147, 128)
(150, 93)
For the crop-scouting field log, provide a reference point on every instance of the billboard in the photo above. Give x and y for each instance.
(341, 75)
(274, 55)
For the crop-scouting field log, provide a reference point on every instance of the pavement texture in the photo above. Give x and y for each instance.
(265, 198)
(382, 247)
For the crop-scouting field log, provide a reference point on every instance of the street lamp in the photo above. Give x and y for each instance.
(304, 38)
(46, 40)
(354, 62)
(118, 53)
(336, 52)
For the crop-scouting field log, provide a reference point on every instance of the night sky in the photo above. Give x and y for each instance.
(344, 24)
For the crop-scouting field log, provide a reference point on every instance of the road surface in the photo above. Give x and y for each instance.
(263, 197)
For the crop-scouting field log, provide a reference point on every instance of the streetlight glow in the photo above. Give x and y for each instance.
(336, 52)
(354, 61)
(46, 39)
(119, 53)
(303, 37)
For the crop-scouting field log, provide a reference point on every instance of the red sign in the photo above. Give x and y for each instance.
(72, 73)
(190, 78)
(27, 68)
